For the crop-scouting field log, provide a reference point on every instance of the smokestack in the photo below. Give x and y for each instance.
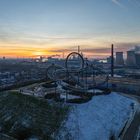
(63, 55)
(112, 60)
(78, 49)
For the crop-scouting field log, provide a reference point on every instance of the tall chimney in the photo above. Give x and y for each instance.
(78, 49)
(112, 60)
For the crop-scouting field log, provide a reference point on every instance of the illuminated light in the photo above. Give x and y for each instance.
(38, 53)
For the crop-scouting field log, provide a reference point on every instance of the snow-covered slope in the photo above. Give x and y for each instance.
(99, 119)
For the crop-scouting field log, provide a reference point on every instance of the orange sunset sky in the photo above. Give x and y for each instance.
(31, 28)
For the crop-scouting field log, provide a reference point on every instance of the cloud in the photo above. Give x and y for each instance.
(117, 2)
(132, 2)
(123, 46)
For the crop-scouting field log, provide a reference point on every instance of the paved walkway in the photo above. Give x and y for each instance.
(132, 130)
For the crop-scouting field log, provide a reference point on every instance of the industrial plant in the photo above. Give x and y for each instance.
(132, 59)
(69, 69)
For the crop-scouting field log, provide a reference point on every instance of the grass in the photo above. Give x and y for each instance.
(23, 116)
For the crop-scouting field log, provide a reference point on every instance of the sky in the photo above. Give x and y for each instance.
(29, 28)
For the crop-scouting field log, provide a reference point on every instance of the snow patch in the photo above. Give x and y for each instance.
(102, 117)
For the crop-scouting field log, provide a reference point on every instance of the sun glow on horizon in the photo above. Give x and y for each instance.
(39, 53)
(46, 28)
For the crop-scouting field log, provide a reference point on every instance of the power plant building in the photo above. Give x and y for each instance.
(137, 48)
(131, 58)
(119, 58)
(137, 55)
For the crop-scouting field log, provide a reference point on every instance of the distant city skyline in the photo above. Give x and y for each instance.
(31, 28)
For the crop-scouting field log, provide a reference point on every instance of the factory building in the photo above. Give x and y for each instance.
(119, 58)
(131, 58)
(137, 55)
(137, 48)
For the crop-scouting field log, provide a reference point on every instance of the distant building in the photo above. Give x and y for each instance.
(131, 58)
(119, 58)
(137, 55)
(137, 48)
(52, 60)
(40, 59)
(109, 60)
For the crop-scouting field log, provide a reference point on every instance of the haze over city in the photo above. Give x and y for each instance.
(69, 69)
(31, 28)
